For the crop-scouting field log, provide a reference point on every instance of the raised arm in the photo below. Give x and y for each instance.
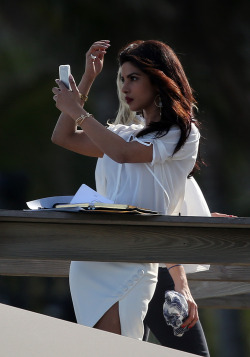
(94, 139)
(66, 133)
(105, 140)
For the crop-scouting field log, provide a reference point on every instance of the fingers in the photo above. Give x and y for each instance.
(193, 316)
(73, 83)
(62, 86)
(56, 91)
(98, 49)
(217, 214)
(66, 100)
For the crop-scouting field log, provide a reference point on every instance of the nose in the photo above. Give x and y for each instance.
(124, 87)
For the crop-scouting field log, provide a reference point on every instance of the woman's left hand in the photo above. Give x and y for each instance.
(193, 315)
(95, 58)
(216, 214)
(67, 101)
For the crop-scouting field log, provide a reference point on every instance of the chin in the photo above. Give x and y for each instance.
(134, 108)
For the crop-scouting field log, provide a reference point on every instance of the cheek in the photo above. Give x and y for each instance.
(149, 96)
(149, 91)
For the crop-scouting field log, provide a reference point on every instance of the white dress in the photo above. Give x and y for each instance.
(194, 204)
(96, 286)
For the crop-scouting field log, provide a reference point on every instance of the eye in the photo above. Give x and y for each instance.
(133, 78)
(122, 79)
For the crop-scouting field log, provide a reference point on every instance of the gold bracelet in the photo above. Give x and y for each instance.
(83, 97)
(81, 118)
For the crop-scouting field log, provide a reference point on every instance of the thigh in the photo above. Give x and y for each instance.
(110, 321)
(193, 341)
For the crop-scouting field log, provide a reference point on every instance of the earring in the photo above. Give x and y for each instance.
(159, 104)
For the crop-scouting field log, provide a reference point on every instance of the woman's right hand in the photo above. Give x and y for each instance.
(95, 58)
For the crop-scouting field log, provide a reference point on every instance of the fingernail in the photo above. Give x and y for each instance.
(190, 326)
(182, 326)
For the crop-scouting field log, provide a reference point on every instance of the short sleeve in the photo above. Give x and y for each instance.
(164, 146)
(121, 129)
(117, 129)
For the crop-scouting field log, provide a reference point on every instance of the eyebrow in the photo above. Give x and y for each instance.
(132, 74)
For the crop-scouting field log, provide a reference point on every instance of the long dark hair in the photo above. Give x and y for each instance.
(165, 71)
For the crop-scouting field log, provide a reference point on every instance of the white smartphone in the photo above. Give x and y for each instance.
(64, 72)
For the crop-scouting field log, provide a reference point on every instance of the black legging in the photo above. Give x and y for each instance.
(193, 341)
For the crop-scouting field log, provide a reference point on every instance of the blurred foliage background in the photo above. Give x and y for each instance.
(212, 40)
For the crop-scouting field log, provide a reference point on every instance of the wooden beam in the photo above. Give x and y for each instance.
(92, 217)
(226, 302)
(210, 289)
(48, 235)
(60, 268)
(41, 243)
(223, 273)
(32, 267)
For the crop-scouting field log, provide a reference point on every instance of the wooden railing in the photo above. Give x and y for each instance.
(42, 243)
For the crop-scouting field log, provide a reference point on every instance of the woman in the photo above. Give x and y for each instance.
(114, 296)
(174, 278)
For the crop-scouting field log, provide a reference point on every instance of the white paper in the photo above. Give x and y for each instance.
(48, 202)
(85, 194)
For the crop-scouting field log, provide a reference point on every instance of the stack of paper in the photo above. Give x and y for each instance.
(85, 199)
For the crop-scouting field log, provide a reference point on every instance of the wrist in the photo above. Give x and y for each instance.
(79, 120)
(77, 113)
(86, 81)
(174, 266)
(181, 283)
(83, 99)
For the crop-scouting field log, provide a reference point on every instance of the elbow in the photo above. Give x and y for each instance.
(121, 158)
(55, 139)
(120, 161)
(124, 157)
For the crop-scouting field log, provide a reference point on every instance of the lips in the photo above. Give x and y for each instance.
(128, 100)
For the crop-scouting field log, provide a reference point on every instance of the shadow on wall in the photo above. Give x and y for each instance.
(13, 190)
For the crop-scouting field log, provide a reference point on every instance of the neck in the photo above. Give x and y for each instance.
(152, 115)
